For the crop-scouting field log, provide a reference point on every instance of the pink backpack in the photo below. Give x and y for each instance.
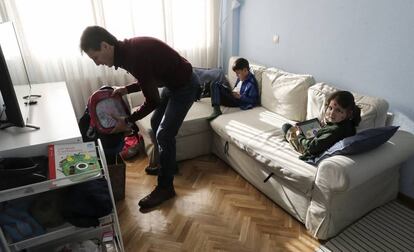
(102, 105)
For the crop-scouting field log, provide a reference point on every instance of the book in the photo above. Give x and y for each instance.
(71, 160)
(309, 127)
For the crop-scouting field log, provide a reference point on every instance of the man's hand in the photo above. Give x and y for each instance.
(120, 126)
(119, 91)
(236, 95)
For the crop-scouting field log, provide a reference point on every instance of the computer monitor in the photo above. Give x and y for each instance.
(14, 81)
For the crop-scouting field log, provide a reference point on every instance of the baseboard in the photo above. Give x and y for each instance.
(406, 200)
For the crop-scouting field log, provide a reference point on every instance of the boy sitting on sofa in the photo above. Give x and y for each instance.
(245, 93)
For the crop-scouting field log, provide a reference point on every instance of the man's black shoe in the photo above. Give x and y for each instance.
(152, 170)
(156, 197)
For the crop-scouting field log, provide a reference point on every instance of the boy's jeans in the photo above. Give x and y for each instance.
(222, 95)
(166, 121)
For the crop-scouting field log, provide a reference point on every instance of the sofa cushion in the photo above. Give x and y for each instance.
(195, 127)
(242, 125)
(195, 120)
(373, 109)
(258, 132)
(285, 93)
(363, 141)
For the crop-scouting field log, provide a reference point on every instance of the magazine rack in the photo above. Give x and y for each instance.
(108, 232)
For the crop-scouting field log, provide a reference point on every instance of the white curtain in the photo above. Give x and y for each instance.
(49, 32)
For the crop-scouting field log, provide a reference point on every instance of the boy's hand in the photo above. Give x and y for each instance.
(120, 126)
(236, 95)
(119, 91)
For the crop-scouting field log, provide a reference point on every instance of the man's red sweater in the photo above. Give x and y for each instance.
(154, 64)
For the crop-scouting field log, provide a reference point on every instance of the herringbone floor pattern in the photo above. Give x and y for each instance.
(215, 210)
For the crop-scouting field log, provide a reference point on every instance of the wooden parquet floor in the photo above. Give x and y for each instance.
(215, 210)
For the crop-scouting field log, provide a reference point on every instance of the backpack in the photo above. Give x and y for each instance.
(91, 127)
(131, 146)
(101, 105)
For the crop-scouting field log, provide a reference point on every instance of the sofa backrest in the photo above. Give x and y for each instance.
(280, 92)
(296, 98)
(373, 109)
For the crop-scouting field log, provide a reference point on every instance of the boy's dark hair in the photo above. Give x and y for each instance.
(240, 64)
(346, 100)
(92, 37)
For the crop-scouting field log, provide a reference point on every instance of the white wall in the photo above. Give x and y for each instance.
(360, 45)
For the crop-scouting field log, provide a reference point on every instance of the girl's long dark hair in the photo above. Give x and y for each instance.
(346, 100)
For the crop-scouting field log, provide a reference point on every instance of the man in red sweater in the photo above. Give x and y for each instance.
(154, 64)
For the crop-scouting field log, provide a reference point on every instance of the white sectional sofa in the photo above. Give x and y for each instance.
(327, 197)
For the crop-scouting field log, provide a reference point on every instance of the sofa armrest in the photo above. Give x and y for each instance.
(342, 173)
(135, 99)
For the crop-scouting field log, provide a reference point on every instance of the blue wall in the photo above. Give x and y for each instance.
(363, 46)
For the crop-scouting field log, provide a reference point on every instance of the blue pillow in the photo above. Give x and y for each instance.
(361, 142)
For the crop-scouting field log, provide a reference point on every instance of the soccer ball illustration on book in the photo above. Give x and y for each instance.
(78, 163)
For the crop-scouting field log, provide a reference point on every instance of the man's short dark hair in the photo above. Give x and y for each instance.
(240, 64)
(92, 37)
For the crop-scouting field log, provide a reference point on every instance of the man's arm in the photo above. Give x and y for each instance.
(133, 87)
(152, 101)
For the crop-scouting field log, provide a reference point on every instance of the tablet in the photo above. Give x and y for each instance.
(309, 127)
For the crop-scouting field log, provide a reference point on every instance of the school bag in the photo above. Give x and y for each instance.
(96, 121)
(132, 146)
(101, 105)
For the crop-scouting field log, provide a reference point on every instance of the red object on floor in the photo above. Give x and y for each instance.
(131, 146)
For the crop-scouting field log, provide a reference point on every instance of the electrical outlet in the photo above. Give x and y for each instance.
(275, 39)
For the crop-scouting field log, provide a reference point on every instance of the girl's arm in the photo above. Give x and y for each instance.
(323, 141)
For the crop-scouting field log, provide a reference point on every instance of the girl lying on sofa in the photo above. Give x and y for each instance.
(341, 118)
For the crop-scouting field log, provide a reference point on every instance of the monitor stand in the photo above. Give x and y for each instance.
(28, 97)
(5, 125)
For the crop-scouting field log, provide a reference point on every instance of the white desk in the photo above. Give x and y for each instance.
(53, 113)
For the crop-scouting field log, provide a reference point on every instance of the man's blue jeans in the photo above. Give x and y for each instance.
(166, 121)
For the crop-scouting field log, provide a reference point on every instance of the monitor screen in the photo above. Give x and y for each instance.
(14, 82)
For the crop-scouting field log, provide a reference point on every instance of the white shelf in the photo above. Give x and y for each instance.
(65, 231)
(23, 191)
(58, 125)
